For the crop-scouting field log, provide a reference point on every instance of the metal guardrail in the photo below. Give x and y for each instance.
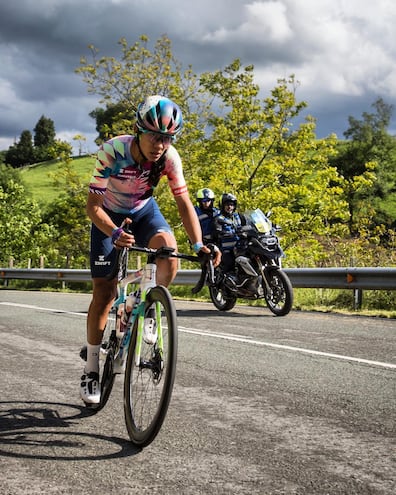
(333, 278)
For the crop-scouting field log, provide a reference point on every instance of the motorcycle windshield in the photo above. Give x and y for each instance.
(259, 220)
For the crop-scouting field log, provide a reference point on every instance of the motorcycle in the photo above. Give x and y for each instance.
(258, 273)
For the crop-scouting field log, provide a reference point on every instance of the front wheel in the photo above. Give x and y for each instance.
(279, 297)
(148, 384)
(221, 299)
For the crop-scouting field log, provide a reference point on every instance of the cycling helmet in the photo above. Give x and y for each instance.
(205, 194)
(228, 198)
(159, 114)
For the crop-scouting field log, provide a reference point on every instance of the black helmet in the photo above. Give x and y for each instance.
(228, 198)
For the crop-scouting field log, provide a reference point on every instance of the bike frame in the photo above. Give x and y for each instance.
(143, 279)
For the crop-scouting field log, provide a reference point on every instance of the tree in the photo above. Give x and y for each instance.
(254, 153)
(68, 220)
(81, 139)
(44, 139)
(123, 84)
(21, 153)
(367, 161)
(23, 235)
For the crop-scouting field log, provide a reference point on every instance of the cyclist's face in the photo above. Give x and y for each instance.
(153, 144)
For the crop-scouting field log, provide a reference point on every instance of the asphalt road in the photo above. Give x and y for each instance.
(304, 404)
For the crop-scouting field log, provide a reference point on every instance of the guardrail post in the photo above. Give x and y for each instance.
(358, 298)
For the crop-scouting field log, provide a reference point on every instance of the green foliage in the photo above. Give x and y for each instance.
(23, 235)
(44, 133)
(21, 153)
(367, 161)
(123, 83)
(66, 215)
(254, 153)
(39, 180)
(45, 146)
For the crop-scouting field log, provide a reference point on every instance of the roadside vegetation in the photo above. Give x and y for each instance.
(334, 198)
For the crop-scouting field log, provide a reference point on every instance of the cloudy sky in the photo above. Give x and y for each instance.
(343, 53)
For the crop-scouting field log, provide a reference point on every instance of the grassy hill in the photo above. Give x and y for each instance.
(39, 182)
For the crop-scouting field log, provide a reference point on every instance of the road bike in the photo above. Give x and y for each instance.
(140, 341)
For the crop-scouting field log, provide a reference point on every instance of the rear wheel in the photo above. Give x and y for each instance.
(106, 364)
(148, 385)
(279, 297)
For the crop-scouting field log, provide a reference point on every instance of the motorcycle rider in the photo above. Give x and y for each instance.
(226, 230)
(206, 212)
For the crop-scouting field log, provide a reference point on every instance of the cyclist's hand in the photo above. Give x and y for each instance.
(122, 236)
(215, 252)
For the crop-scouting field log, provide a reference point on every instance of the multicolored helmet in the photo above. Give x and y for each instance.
(159, 114)
(205, 194)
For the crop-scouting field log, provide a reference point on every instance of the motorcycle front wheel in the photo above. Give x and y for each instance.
(279, 297)
(221, 299)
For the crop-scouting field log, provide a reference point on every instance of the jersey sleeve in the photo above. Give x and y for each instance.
(106, 158)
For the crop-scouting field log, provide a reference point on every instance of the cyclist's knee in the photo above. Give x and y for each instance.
(162, 239)
(166, 271)
(104, 291)
(166, 268)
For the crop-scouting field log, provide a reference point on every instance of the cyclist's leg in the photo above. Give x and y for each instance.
(151, 229)
(103, 294)
(167, 267)
(102, 257)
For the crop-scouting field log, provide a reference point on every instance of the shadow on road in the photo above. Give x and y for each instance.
(43, 430)
(204, 313)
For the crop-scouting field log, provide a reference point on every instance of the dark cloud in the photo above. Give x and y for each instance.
(343, 53)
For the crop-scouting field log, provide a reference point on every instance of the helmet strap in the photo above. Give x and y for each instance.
(142, 155)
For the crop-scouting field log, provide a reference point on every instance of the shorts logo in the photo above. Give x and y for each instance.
(101, 261)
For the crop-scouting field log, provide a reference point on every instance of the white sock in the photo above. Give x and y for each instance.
(92, 358)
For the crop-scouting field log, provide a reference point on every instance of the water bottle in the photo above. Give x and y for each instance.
(129, 304)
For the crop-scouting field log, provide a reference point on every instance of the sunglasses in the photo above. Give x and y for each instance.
(155, 137)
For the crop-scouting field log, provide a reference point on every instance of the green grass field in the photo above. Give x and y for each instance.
(40, 184)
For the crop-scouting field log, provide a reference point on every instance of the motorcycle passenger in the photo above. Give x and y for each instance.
(226, 227)
(206, 212)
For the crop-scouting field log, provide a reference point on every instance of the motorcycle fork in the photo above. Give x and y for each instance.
(261, 267)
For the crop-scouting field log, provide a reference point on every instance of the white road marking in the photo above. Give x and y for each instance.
(287, 347)
(50, 310)
(236, 338)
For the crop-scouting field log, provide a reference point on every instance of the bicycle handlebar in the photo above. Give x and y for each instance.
(205, 259)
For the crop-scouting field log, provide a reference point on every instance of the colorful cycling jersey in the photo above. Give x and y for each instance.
(126, 185)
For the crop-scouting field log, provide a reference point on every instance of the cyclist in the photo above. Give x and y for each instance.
(127, 170)
(226, 228)
(206, 212)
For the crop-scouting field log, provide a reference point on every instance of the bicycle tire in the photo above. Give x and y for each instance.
(107, 371)
(148, 387)
(280, 298)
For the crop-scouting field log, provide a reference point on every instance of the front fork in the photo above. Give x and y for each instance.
(148, 282)
(264, 270)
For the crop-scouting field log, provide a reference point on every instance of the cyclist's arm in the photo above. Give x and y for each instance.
(101, 219)
(192, 225)
(189, 217)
